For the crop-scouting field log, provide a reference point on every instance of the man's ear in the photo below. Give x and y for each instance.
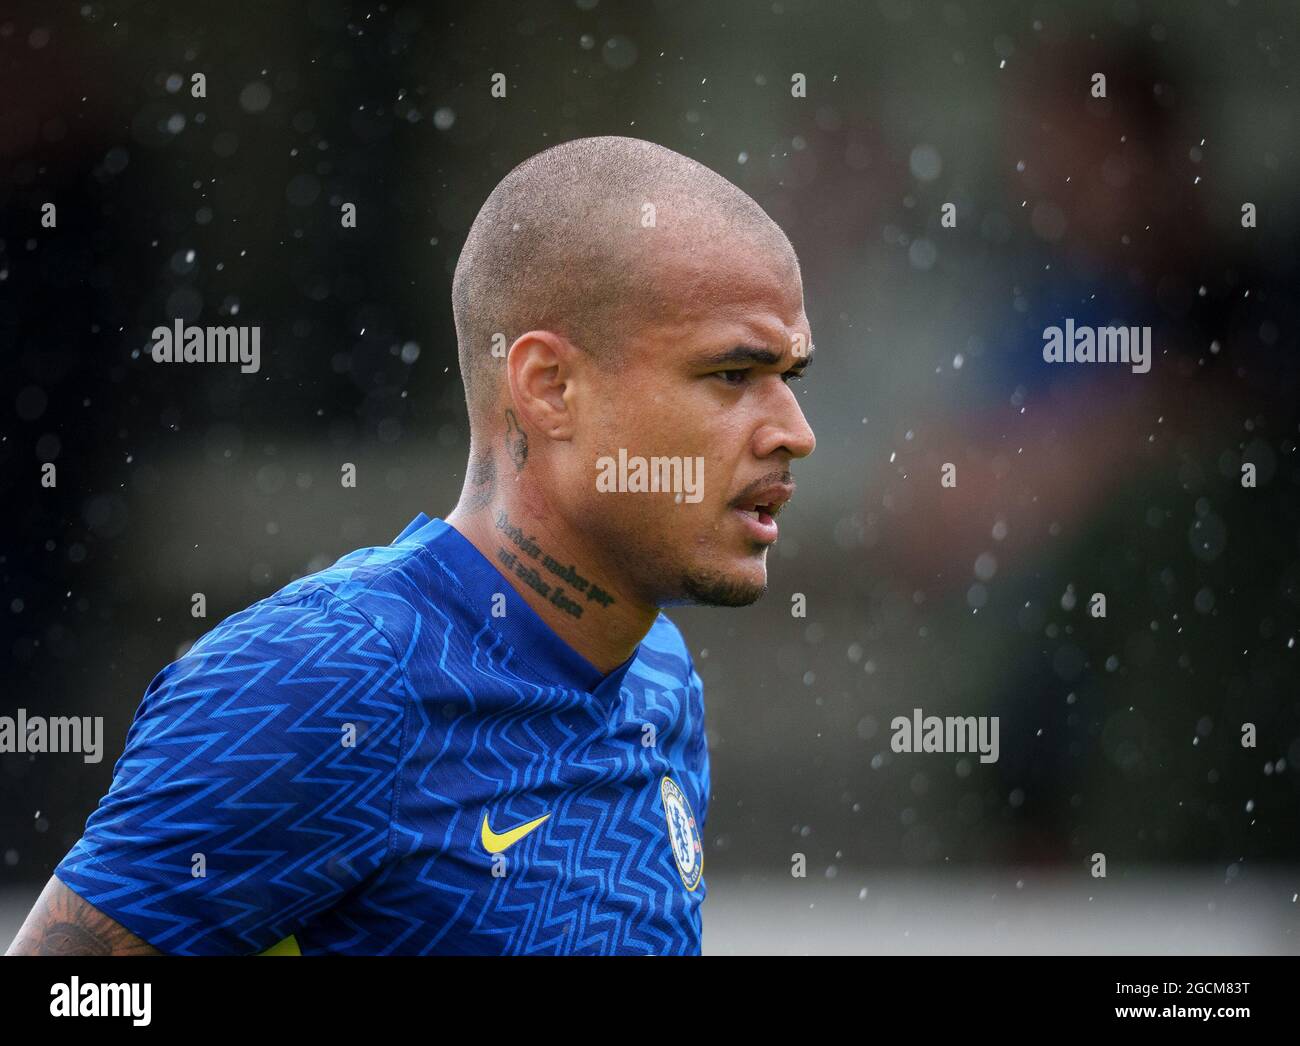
(541, 368)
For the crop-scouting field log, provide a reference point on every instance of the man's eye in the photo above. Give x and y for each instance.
(736, 378)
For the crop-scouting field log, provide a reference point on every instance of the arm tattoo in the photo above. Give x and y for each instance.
(516, 440)
(61, 923)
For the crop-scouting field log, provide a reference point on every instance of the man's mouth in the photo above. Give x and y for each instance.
(767, 501)
(758, 522)
(760, 510)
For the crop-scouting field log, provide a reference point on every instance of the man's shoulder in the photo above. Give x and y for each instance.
(375, 579)
(271, 687)
(385, 590)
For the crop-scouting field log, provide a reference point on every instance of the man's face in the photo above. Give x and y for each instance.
(736, 419)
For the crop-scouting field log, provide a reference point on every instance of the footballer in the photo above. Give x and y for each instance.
(485, 737)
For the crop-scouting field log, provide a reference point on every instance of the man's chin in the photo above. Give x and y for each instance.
(723, 590)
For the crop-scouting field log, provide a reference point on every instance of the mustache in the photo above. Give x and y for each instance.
(780, 477)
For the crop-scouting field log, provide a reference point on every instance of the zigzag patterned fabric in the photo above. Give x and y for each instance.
(370, 762)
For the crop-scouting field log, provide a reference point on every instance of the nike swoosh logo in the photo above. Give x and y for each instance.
(494, 842)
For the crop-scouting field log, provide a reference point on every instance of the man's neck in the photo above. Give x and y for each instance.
(546, 568)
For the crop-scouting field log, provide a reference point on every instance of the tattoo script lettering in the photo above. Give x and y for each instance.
(553, 593)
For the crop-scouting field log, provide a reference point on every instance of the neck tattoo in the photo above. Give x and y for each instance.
(516, 441)
(553, 592)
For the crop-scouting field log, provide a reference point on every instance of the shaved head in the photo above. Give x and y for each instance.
(645, 313)
(586, 239)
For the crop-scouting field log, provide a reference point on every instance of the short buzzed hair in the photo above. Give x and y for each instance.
(561, 244)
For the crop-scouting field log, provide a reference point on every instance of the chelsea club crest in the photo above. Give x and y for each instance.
(683, 833)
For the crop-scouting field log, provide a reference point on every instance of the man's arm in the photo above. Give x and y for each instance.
(61, 923)
(270, 751)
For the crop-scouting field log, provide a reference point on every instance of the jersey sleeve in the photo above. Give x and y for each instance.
(257, 783)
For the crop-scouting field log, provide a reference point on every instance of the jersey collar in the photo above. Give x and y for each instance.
(522, 627)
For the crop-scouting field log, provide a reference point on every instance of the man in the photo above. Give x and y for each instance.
(485, 737)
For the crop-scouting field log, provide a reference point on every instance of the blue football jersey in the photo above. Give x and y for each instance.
(397, 755)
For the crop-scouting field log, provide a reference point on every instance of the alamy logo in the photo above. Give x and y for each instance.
(1098, 345)
(181, 344)
(36, 733)
(75, 999)
(950, 734)
(637, 475)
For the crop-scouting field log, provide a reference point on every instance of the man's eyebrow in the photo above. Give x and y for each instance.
(754, 354)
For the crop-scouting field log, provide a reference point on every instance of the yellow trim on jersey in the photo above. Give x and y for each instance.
(289, 946)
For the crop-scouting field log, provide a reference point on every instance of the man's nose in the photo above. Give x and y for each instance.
(789, 429)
